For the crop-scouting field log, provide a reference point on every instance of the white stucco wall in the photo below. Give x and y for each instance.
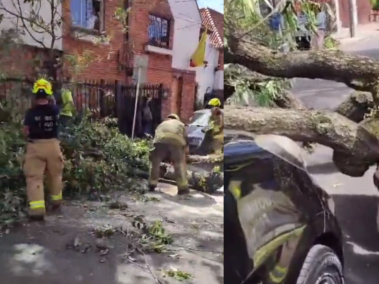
(205, 76)
(219, 80)
(186, 39)
(43, 9)
(186, 32)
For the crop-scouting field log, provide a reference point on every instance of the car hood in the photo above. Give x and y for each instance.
(191, 128)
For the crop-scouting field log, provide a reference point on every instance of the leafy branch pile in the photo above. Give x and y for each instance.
(97, 159)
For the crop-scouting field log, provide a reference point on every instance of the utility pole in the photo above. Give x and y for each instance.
(353, 17)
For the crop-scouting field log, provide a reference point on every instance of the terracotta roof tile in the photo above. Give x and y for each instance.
(214, 21)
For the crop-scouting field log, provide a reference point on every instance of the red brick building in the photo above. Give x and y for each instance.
(94, 32)
(118, 59)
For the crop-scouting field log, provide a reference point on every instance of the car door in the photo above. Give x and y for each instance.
(270, 226)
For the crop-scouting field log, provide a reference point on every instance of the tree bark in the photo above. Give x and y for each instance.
(356, 106)
(326, 64)
(346, 137)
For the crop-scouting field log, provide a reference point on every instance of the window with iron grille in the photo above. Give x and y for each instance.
(159, 31)
(87, 14)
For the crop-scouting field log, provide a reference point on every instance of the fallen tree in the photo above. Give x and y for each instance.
(346, 137)
(352, 130)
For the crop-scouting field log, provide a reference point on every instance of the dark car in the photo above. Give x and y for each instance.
(197, 123)
(279, 226)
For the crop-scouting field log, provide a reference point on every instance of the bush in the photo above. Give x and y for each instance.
(98, 159)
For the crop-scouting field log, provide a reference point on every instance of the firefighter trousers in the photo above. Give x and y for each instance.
(217, 144)
(174, 153)
(43, 156)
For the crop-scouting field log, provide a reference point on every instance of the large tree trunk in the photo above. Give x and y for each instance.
(329, 65)
(356, 106)
(353, 143)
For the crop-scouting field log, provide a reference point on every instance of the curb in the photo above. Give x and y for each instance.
(350, 40)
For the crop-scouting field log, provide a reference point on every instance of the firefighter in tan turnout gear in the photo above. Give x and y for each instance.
(216, 126)
(43, 153)
(171, 143)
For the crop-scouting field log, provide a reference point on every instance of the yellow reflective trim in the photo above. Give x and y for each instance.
(278, 274)
(56, 197)
(281, 269)
(276, 279)
(262, 253)
(37, 204)
(236, 168)
(235, 188)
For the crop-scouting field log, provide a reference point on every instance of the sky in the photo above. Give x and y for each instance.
(217, 5)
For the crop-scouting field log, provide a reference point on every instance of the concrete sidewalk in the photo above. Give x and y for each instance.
(362, 32)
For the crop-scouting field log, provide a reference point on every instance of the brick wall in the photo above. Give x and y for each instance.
(20, 60)
(185, 96)
(159, 68)
(104, 57)
(363, 9)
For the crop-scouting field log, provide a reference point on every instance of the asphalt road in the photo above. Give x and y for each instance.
(356, 199)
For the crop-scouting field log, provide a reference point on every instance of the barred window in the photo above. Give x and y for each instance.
(159, 31)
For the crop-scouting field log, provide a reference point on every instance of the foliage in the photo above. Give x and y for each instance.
(331, 43)
(253, 91)
(374, 4)
(97, 159)
(246, 18)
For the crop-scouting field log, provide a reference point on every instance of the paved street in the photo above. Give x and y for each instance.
(356, 199)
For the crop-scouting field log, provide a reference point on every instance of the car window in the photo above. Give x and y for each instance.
(200, 118)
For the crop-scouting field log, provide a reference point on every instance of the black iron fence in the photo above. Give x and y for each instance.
(102, 99)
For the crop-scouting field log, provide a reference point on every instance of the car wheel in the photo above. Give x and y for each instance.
(321, 266)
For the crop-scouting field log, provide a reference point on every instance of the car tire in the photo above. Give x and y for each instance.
(320, 264)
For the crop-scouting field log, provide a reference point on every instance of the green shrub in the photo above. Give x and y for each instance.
(98, 159)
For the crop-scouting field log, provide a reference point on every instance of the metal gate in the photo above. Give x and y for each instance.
(125, 104)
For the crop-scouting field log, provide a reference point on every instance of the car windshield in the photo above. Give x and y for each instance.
(200, 118)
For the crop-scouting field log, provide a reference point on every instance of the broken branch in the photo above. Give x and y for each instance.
(323, 127)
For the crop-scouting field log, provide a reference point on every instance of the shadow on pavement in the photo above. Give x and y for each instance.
(325, 168)
(357, 216)
(65, 249)
(194, 199)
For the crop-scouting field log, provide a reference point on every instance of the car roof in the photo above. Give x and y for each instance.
(263, 146)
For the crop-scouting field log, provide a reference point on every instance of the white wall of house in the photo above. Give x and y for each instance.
(25, 10)
(219, 80)
(205, 76)
(186, 32)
